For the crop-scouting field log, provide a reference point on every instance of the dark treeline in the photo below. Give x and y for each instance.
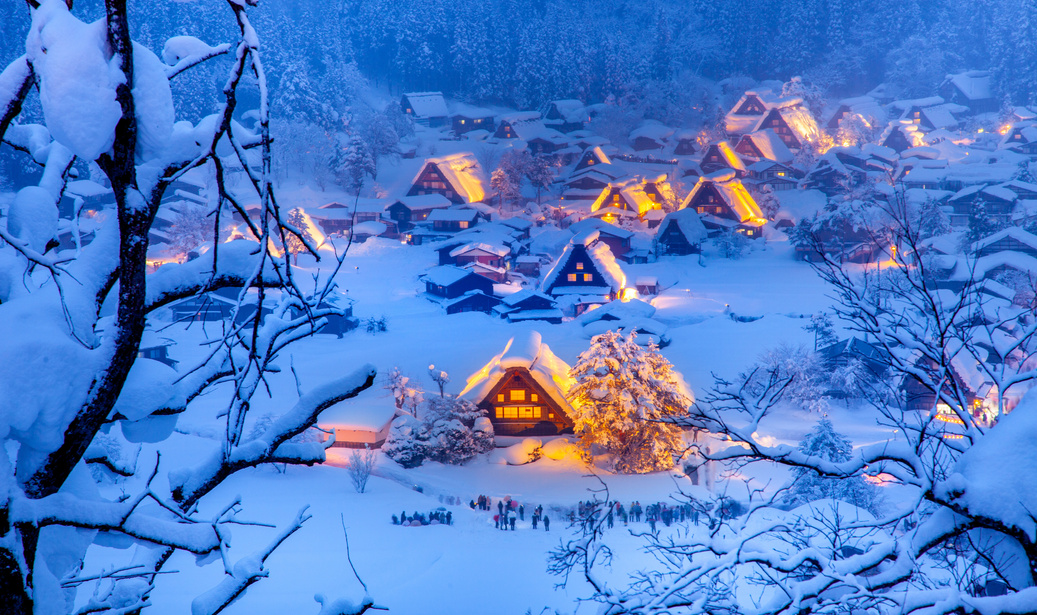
(524, 52)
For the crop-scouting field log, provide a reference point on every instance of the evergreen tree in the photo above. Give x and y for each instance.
(622, 394)
(932, 221)
(980, 225)
(823, 329)
(809, 486)
(297, 220)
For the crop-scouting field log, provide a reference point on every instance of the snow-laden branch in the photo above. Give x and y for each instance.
(245, 572)
(189, 485)
(15, 82)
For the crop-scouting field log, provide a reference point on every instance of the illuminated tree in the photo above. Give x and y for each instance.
(623, 396)
(297, 242)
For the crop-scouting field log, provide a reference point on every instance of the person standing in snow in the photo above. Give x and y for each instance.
(496, 522)
(522, 512)
(512, 524)
(534, 518)
(547, 523)
(500, 507)
(609, 518)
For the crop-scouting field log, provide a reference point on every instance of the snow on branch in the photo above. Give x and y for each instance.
(181, 53)
(15, 82)
(245, 572)
(191, 484)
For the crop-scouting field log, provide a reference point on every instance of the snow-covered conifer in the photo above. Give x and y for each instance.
(622, 397)
(824, 442)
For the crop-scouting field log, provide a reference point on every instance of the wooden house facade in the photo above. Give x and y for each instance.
(722, 201)
(680, 233)
(427, 108)
(586, 268)
(523, 390)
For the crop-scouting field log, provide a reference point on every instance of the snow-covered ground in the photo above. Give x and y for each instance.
(470, 567)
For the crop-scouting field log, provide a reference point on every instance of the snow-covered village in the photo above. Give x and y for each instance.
(518, 307)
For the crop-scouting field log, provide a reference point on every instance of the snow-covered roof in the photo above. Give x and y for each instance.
(469, 111)
(445, 275)
(770, 145)
(929, 101)
(618, 310)
(527, 352)
(601, 258)
(86, 188)
(425, 201)
(371, 227)
(463, 172)
(480, 246)
(732, 191)
(799, 119)
(1014, 232)
(571, 110)
(688, 223)
(653, 130)
(597, 224)
(942, 116)
(526, 293)
(973, 84)
(427, 104)
(453, 215)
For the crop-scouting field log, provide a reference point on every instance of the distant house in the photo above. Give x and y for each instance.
(763, 145)
(722, 202)
(466, 118)
(794, 125)
(453, 220)
(458, 177)
(591, 156)
(408, 210)
(650, 136)
(479, 252)
(630, 199)
(340, 217)
(680, 233)
(157, 352)
(510, 124)
(565, 115)
(528, 304)
(997, 201)
(587, 271)
(1022, 138)
(1011, 239)
(873, 361)
(633, 315)
(450, 282)
(865, 109)
(746, 113)
(616, 238)
(719, 156)
(900, 136)
(427, 108)
(834, 174)
(358, 423)
(472, 301)
(687, 143)
(972, 89)
(523, 389)
(774, 174)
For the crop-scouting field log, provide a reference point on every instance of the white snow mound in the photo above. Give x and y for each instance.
(516, 454)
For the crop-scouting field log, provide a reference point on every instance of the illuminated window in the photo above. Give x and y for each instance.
(571, 277)
(462, 122)
(579, 266)
(590, 162)
(587, 277)
(499, 411)
(517, 395)
(781, 173)
(550, 415)
(615, 198)
(511, 412)
(534, 397)
(463, 224)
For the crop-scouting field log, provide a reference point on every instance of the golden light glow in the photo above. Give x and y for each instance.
(1004, 129)
(628, 293)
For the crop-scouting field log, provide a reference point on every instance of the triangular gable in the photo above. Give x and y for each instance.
(592, 157)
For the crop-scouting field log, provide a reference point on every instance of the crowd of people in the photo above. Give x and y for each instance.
(433, 517)
(510, 512)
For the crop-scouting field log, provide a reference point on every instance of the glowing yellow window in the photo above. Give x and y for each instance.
(500, 396)
(536, 411)
(511, 412)
(534, 397)
(587, 277)
(571, 277)
(579, 266)
(500, 412)
(517, 395)
(550, 415)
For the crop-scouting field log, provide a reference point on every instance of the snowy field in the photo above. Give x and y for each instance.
(471, 567)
